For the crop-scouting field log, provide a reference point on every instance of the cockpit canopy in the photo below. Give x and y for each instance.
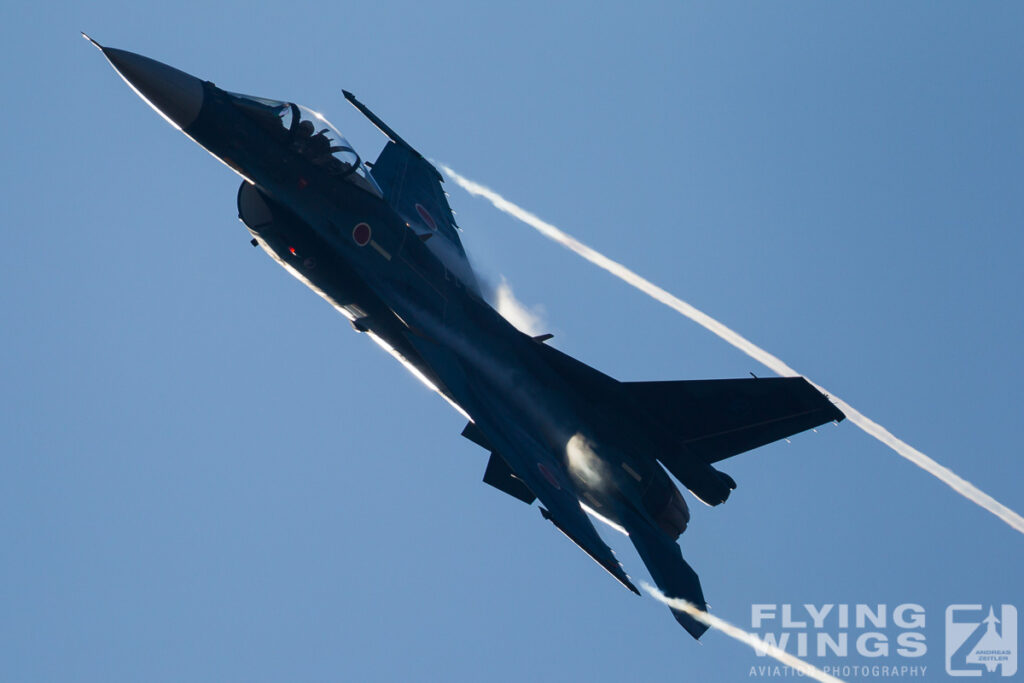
(310, 134)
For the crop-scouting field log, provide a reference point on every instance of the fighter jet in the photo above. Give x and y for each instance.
(379, 242)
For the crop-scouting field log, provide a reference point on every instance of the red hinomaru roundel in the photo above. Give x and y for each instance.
(425, 215)
(361, 234)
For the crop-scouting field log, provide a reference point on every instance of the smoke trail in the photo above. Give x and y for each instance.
(944, 474)
(741, 635)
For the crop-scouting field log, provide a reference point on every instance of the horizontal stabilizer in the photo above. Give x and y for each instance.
(500, 476)
(717, 419)
(674, 577)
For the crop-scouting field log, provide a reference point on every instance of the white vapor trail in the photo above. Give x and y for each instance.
(944, 474)
(741, 635)
(515, 311)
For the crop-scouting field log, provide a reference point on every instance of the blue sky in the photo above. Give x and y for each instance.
(206, 475)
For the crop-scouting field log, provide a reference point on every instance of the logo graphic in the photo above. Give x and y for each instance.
(980, 640)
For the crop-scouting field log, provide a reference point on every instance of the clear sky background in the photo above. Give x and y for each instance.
(207, 476)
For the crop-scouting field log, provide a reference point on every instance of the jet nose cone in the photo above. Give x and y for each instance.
(174, 94)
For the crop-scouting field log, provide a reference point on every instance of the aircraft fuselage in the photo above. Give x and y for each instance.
(391, 285)
(382, 247)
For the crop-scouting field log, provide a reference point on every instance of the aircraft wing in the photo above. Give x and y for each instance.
(719, 418)
(715, 419)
